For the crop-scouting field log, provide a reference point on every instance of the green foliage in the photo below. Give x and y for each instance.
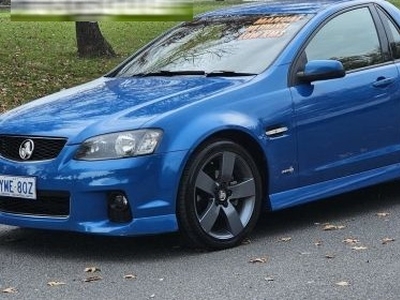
(395, 2)
(38, 58)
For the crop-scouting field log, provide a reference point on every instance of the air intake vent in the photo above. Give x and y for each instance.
(52, 204)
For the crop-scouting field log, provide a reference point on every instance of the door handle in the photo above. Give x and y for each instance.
(382, 82)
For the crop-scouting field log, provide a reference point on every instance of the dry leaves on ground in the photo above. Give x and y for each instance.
(351, 241)
(343, 283)
(330, 227)
(92, 270)
(130, 276)
(246, 242)
(92, 279)
(269, 278)
(318, 243)
(55, 283)
(383, 214)
(262, 260)
(285, 239)
(9, 290)
(359, 248)
(387, 240)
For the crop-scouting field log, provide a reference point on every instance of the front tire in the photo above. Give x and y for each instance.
(220, 196)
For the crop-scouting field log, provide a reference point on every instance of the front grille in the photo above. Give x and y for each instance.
(54, 204)
(44, 148)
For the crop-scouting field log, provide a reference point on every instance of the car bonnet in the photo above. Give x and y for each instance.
(109, 105)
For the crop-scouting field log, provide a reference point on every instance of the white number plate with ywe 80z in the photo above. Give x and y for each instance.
(18, 187)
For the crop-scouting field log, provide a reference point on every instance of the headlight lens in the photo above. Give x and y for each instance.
(119, 145)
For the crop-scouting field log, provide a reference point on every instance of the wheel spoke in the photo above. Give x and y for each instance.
(228, 164)
(243, 189)
(209, 217)
(235, 225)
(205, 183)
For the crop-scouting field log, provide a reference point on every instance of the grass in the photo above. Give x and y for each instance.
(395, 2)
(39, 58)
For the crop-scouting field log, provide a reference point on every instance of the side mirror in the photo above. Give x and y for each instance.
(321, 70)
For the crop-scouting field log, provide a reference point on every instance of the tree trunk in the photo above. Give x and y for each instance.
(91, 42)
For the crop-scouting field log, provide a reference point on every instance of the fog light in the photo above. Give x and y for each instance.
(118, 208)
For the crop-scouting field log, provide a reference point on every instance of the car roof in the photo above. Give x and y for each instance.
(276, 7)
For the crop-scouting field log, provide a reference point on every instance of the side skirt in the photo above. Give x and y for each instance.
(333, 187)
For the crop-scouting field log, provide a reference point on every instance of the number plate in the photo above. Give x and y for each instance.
(18, 187)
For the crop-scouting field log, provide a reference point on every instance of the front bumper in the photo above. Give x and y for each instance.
(150, 184)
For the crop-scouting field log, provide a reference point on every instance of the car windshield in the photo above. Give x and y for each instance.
(218, 45)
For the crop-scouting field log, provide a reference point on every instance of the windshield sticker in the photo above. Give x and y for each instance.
(268, 27)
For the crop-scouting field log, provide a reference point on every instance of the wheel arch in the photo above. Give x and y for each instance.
(253, 147)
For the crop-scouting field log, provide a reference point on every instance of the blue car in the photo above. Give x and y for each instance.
(255, 107)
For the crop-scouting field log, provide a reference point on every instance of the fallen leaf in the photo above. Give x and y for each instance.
(152, 295)
(330, 227)
(246, 242)
(350, 241)
(318, 243)
(92, 279)
(130, 276)
(342, 283)
(92, 270)
(358, 248)
(383, 214)
(9, 290)
(285, 239)
(55, 283)
(262, 260)
(269, 279)
(330, 256)
(387, 240)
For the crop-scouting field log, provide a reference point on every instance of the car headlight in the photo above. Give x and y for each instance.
(119, 145)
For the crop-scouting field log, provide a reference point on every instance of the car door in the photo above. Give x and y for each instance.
(347, 125)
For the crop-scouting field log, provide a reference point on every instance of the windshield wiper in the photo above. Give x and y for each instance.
(228, 74)
(221, 73)
(169, 73)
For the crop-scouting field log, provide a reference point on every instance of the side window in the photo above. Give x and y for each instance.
(395, 45)
(394, 32)
(350, 38)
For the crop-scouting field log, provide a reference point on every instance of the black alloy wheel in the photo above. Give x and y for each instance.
(220, 196)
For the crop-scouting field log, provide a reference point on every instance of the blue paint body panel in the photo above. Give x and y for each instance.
(340, 134)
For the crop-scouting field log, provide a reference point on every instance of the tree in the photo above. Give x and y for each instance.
(90, 40)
